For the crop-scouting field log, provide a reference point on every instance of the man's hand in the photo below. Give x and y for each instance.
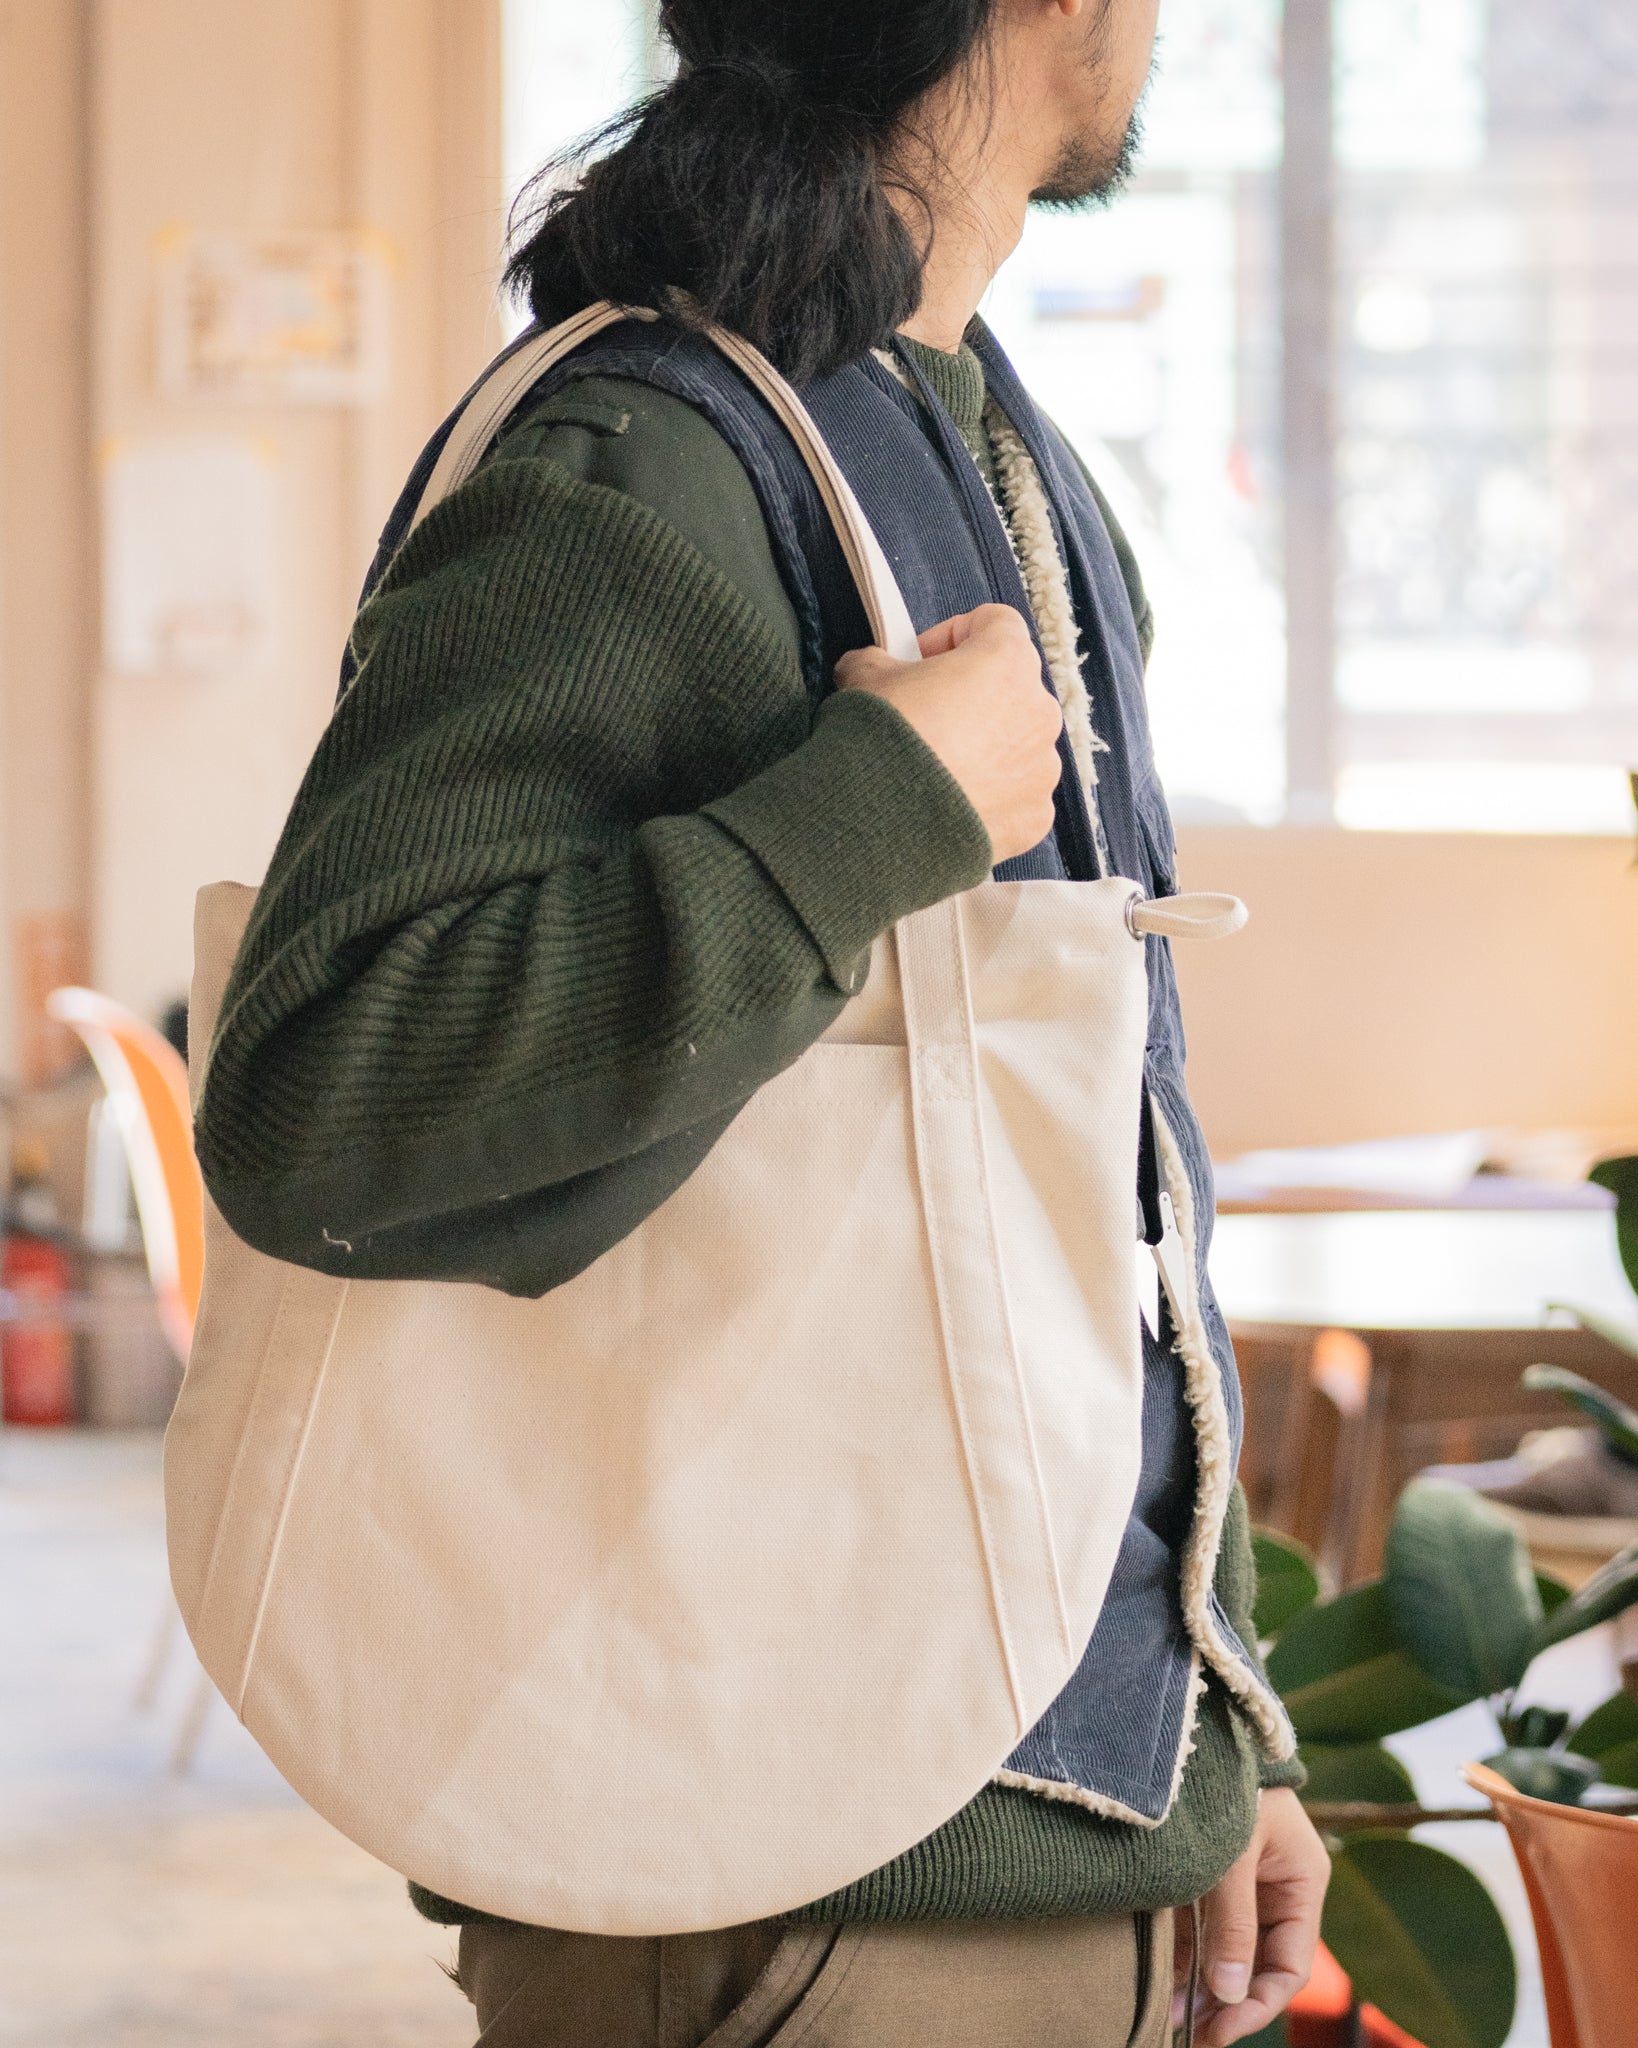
(978, 700)
(1260, 1927)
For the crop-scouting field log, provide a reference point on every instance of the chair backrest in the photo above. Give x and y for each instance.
(1580, 1870)
(147, 1086)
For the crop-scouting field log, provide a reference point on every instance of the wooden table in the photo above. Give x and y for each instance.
(1429, 1317)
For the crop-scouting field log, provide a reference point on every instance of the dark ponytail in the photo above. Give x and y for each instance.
(757, 182)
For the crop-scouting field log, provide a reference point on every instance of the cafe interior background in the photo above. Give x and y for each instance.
(1354, 361)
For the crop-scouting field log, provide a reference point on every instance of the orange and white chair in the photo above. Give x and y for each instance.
(146, 1083)
(147, 1087)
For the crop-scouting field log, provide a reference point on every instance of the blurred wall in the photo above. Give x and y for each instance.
(374, 115)
(1396, 983)
(47, 526)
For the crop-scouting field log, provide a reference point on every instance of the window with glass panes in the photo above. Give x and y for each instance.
(1356, 359)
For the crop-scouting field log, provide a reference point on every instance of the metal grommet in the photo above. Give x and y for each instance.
(1134, 903)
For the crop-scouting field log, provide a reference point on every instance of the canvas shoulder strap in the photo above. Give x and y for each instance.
(499, 395)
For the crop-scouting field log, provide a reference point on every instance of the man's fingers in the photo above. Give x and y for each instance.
(1284, 1964)
(944, 638)
(863, 669)
(949, 634)
(1229, 1937)
(1262, 1925)
(1250, 2016)
(1290, 1938)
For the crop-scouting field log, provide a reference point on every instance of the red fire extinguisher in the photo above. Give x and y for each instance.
(36, 1353)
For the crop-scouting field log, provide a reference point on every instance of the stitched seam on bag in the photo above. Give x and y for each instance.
(952, 1375)
(270, 1560)
(993, 1243)
(246, 1432)
(919, 1096)
(1016, 1378)
(967, 1056)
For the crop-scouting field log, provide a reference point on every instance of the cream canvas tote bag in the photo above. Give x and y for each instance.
(728, 1571)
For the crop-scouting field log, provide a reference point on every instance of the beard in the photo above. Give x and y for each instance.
(1089, 175)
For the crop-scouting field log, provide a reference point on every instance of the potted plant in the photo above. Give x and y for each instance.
(1459, 1616)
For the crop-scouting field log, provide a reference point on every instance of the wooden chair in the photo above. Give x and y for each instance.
(1580, 1870)
(1337, 1422)
(1306, 1396)
(147, 1088)
(1453, 1396)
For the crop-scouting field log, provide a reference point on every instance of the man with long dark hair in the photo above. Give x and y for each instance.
(628, 803)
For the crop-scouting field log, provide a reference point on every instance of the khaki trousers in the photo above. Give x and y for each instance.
(1084, 1983)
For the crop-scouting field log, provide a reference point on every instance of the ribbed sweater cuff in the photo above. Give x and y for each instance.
(860, 826)
(1290, 1776)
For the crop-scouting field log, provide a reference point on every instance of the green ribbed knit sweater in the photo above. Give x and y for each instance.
(575, 869)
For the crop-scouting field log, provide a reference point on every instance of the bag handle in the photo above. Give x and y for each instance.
(500, 393)
(516, 374)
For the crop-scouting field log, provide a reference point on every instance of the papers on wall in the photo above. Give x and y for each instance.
(189, 556)
(274, 318)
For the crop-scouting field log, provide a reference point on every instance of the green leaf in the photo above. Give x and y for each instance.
(1620, 1176)
(1462, 1590)
(1421, 1938)
(1616, 1421)
(1553, 1592)
(1609, 1727)
(1536, 1727)
(1356, 1770)
(1619, 1766)
(1346, 1677)
(1553, 1774)
(1287, 1583)
(1609, 1592)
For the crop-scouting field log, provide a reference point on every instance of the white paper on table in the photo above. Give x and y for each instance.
(1435, 1167)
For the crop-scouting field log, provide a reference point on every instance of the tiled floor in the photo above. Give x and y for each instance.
(138, 1910)
(142, 1910)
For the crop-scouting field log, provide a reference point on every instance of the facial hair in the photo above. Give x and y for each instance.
(1087, 177)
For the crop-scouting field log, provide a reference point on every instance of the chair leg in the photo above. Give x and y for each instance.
(1296, 1477)
(192, 1727)
(1362, 1531)
(159, 1655)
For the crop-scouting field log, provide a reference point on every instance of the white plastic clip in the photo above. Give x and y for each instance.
(1171, 1256)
